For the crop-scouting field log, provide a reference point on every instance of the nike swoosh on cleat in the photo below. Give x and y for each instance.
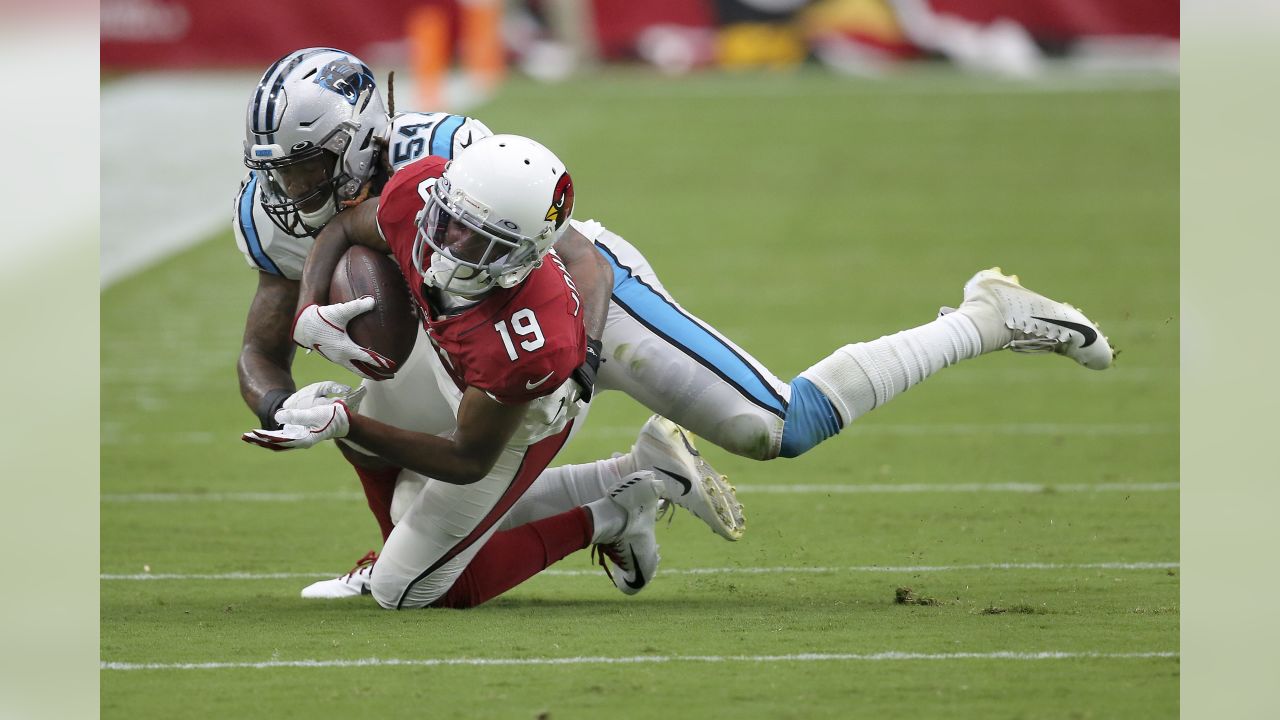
(1090, 335)
(635, 563)
(531, 385)
(678, 478)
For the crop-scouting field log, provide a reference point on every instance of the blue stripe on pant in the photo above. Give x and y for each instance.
(808, 419)
(656, 312)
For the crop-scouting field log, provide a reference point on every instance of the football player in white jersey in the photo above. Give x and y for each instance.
(682, 368)
(319, 140)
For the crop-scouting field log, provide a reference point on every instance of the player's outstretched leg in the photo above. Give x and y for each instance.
(997, 313)
(688, 479)
(624, 531)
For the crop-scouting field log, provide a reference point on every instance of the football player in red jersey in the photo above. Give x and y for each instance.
(507, 321)
(319, 140)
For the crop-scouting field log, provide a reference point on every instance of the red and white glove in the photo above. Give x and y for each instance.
(324, 329)
(313, 419)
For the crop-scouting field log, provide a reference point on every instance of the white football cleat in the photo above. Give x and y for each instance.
(1008, 315)
(631, 559)
(352, 584)
(688, 480)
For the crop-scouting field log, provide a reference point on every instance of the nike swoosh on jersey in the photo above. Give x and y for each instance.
(531, 385)
(1090, 335)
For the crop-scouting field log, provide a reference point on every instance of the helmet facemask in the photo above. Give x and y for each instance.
(301, 190)
(471, 253)
(311, 129)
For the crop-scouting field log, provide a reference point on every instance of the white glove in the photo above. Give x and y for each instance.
(315, 394)
(324, 329)
(304, 427)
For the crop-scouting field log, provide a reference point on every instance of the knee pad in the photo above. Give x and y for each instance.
(750, 435)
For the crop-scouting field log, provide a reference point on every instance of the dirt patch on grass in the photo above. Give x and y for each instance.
(907, 596)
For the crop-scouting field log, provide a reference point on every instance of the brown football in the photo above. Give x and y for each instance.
(391, 327)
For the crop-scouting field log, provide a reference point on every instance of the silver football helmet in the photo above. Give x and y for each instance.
(311, 128)
(492, 216)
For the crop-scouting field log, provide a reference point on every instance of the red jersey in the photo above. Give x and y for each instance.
(517, 344)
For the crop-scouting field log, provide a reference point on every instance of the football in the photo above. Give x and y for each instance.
(391, 327)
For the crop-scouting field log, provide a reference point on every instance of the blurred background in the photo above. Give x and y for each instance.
(457, 55)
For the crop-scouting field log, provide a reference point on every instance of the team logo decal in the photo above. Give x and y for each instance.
(561, 201)
(346, 78)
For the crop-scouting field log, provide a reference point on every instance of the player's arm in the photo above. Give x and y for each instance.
(267, 353)
(357, 226)
(593, 278)
(485, 426)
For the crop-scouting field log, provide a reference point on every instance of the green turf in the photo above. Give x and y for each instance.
(796, 214)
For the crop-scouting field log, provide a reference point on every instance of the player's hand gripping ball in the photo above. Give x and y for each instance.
(390, 329)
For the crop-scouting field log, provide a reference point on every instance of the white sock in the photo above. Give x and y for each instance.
(861, 377)
(608, 519)
(566, 487)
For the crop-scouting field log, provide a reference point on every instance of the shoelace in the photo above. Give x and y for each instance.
(367, 561)
(600, 551)
(665, 505)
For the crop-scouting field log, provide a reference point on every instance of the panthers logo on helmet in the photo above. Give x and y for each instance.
(346, 78)
(561, 201)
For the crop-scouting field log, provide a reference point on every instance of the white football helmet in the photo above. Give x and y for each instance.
(311, 129)
(492, 216)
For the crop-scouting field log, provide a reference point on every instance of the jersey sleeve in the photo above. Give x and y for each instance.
(265, 246)
(402, 199)
(543, 358)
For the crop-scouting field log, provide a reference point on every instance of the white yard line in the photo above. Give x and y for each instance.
(902, 569)
(780, 489)
(840, 489)
(959, 429)
(643, 659)
(906, 430)
(281, 497)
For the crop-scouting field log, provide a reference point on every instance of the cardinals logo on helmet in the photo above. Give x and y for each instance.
(561, 201)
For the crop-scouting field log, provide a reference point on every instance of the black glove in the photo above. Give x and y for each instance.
(585, 375)
(267, 407)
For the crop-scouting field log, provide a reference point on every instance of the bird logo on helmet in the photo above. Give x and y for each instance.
(561, 201)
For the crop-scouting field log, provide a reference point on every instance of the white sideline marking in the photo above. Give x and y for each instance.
(639, 659)
(960, 429)
(799, 489)
(229, 497)
(703, 571)
(908, 430)
(958, 488)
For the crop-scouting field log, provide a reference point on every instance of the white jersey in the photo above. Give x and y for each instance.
(410, 136)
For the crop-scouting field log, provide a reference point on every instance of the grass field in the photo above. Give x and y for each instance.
(1034, 501)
